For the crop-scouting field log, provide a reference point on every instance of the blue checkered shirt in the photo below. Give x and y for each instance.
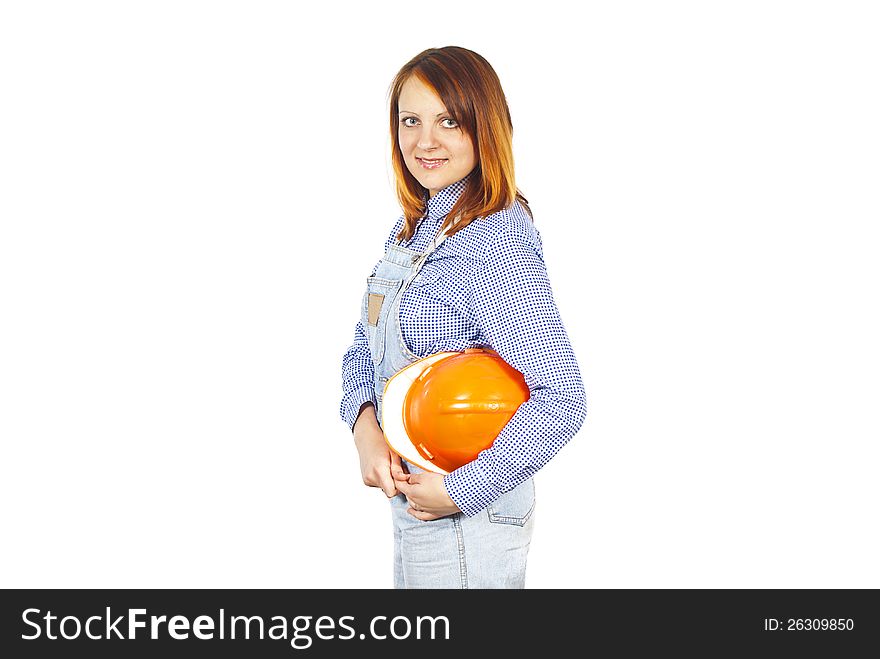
(485, 286)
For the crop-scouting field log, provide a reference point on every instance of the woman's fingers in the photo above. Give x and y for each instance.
(397, 471)
(422, 515)
(386, 483)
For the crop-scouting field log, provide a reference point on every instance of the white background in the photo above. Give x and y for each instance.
(192, 194)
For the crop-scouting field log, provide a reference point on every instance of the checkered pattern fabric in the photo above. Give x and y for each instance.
(486, 286)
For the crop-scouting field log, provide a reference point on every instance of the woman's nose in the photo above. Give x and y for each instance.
(427, 139)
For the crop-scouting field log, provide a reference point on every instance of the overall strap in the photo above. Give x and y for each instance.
(438, 240)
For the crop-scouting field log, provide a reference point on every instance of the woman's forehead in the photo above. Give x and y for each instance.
(415, 96)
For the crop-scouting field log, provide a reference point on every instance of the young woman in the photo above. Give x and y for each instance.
(463, 268)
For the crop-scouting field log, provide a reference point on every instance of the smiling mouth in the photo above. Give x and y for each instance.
(432, 164)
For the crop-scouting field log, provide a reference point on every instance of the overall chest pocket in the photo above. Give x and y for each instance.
(374, 313)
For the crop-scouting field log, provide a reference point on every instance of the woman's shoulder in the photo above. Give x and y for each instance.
(510, 227)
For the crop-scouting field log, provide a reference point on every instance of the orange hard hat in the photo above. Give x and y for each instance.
(441, 411)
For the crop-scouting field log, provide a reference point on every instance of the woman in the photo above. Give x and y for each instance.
(463, 268)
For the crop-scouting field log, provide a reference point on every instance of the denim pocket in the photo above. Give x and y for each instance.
(514, 507)
(379, 295)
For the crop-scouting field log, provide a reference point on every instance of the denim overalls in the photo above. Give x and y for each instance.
(487, 550)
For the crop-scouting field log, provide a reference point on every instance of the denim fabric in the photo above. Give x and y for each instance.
(486, 550)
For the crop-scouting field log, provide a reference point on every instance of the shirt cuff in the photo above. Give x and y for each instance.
(352, 401)
(470, 489)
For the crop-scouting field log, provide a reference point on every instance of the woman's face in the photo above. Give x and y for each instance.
(436, 151)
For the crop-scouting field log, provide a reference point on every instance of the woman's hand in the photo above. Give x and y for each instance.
(378, 463)
(427, 496)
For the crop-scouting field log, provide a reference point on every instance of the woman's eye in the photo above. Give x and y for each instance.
(447, 123)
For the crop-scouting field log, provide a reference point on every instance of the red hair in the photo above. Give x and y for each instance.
(471, 91)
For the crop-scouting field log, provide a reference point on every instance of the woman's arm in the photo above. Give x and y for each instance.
(514, 308)
(358, 408)
(357, 378)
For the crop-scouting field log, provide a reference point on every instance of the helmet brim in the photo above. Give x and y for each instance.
(393, 409)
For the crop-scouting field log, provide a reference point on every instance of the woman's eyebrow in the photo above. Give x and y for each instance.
(417, 114)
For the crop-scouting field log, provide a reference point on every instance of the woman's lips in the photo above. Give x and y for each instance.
(432, 164)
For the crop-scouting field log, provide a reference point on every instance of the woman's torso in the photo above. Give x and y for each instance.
(437, 308)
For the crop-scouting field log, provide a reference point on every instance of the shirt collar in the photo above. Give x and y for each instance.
(441, 203)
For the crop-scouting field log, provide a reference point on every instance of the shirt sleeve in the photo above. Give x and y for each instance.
(357, 377)
(513, 307)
